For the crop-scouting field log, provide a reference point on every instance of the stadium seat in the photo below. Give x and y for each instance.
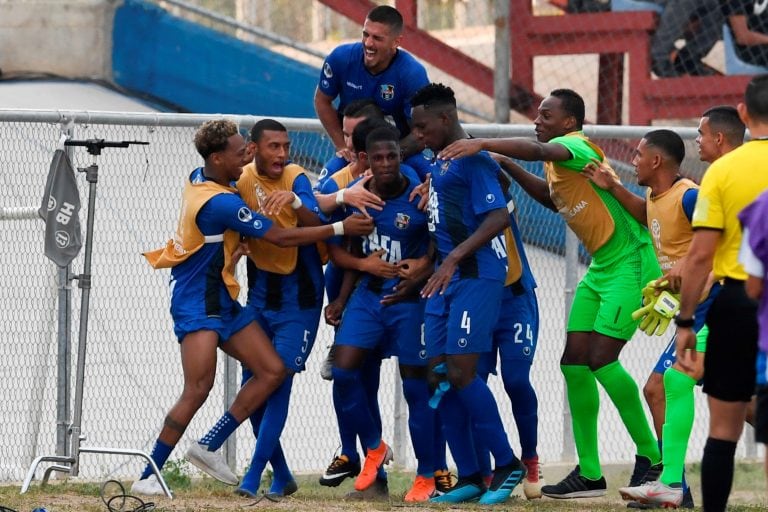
(635, 5)
(733, 64)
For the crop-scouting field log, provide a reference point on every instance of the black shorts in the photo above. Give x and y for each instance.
(761, 415)
(729, 365)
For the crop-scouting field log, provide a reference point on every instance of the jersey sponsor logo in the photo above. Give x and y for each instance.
(257, 224)
(298, 361)
(576, 209)
(402, 220)
(462, 342)
(323, 173)
(354, 86)
(325, 83)
(244, 214)
(489, 198)
(327, 70)
(387, 91)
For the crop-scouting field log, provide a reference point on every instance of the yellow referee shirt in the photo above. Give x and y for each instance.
(731, 183)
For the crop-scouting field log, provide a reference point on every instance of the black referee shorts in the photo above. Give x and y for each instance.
(729, 365)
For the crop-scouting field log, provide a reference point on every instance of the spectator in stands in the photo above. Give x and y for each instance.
(374, 68)
(666, 59)
(748, 21)
(600, 322)
(729, 185)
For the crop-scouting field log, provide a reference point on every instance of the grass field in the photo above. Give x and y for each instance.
(207, 495)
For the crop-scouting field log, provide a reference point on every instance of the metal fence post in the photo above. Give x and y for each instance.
(571, 280)
(501, 62)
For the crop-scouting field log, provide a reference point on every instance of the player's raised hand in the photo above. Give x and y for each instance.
(373, 264)
(600, 173)
(346, 154)
(421, 190)
(276, 201)
(460, 148)
(361, 198)
(357, 224)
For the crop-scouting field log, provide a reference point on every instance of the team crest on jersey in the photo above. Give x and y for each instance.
(402, 220)
(327, 71)
(387, 91)
(444, 165)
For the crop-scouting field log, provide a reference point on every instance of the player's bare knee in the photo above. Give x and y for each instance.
(653, 391)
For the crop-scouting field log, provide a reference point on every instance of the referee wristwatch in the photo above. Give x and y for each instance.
(686, 323)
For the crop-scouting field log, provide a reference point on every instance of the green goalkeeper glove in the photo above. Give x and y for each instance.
(657, 310)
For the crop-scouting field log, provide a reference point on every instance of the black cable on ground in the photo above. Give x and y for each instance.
(111, 499)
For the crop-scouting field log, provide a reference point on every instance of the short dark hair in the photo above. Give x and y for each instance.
(213, 136)
(361, 131)
(725, 119)
(363, 107)
(669, 142)
(572, 103)
(266, 125)
(382, 134)
(388, 16)
(756, 98)
(433, 95)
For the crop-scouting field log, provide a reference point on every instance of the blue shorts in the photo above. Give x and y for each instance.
(517, 332)
(292, 332)
(668, 357)
(462, 320)
(394, 330)
(225, 325)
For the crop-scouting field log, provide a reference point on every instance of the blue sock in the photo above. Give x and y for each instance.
(159, 455)
(458, 433)
(347, 431)
(268, 438)
(220, 432)
(525, 405)
(478, 401)
(482, 453)
(354, 404)
(421, 419)
(438, 443)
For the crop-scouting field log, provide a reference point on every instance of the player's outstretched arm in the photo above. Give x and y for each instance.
(601, 174)
(533, 185)
(354, 225)
(518, 147)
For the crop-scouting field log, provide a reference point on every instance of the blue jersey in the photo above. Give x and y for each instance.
(197, 288)
(422, 163)
(526, 282)
(344, 75)
(400, 228)
(302, 288)
(461, 193)
(331, 167)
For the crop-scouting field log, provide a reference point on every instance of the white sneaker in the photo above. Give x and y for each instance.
(326, 369)
(654, 493)
(150, 486)
(211, 463)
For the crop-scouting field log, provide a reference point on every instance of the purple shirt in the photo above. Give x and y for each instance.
(754, 256)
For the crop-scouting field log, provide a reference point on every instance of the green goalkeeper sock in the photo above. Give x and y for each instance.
(584, 402)
(622, 390)
(678, 423)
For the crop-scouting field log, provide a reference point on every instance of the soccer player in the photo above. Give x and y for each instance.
(203, 292)
(374, 68)
(729, 185)
(667, 211)
(466, 212)
(600, 321)
(375, 321)
(285, 289)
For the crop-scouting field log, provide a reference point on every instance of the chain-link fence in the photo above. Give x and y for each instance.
(132, 371)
